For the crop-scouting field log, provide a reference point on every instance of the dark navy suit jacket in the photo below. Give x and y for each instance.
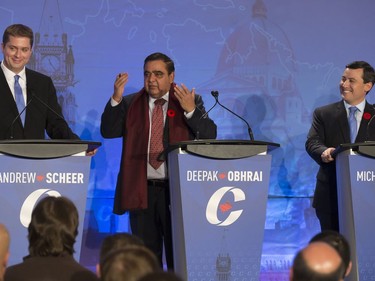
(330, 128)
(39, 119)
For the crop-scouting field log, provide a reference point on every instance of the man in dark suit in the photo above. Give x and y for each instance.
(142, 187)
(330, 128)
(35, 89)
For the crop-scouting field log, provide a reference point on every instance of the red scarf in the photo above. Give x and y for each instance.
(133, 181)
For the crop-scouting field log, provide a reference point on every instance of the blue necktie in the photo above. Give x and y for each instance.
(19, 98)
(352, 123)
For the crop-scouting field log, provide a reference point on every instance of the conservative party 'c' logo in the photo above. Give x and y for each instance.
(29, 204)
(213, 206)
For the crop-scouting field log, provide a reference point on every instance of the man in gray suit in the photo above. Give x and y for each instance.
(331, 127)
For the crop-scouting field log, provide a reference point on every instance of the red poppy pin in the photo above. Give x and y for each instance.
(366, 116)
(171, 113)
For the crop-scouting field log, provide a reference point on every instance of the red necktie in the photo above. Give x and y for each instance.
(157, 128)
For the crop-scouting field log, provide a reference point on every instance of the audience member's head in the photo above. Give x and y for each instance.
(53, 227)
(114, 242)
(339, 242)
(317, 261)
(4, 249)
(128, 264)
(161, 276)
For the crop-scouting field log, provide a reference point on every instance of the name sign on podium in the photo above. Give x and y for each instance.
(218, 211)
(26, 178)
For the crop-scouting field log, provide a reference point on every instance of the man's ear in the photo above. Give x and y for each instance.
(98, 270)
(6, 259)
(368, 87)
(171, 77)
(348, 269)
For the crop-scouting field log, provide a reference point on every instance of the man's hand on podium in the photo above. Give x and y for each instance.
(327, 155)
(92, 152)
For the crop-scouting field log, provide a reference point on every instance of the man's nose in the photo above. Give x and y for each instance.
(345, 83)
(152, 77)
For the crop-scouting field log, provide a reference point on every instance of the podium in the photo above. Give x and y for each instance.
(355, 169)
(219, 193)
(33, 169)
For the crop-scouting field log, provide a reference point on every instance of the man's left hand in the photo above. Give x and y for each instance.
(185, 97)
(92, 152)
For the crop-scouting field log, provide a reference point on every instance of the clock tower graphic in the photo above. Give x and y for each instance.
(54, 57)
(223, 261)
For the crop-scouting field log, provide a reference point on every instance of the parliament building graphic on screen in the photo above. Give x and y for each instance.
(54, 57)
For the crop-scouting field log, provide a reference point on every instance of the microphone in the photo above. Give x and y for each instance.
(46, 105)
(215, 94)
(203, 116)
(68, 133)
(368, 126)
(18, 117)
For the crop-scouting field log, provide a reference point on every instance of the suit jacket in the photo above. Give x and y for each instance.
(39, 119)
(114, 124)
(330, 128)
(114, 120)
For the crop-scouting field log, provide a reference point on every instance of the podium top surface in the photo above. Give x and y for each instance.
(224, 149)
(364, 148)
(43, 149)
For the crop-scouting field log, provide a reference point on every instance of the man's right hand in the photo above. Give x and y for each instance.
(327, 155)
(119, 86)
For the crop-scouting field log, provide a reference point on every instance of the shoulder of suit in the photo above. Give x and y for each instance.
(369, 106)
(331, 106)
(129, 97)
(35, 74)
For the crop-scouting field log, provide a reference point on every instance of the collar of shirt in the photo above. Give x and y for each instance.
(151, 101)
(9, 76)
(360, 106)
(358, 115)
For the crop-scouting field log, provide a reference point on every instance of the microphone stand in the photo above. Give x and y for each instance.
(215, 94)
(203, 116)
(17, 117)
(368, 126)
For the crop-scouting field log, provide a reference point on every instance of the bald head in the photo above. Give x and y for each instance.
(4, 249)
(318, 261)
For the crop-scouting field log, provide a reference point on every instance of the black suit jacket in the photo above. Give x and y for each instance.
(39, 119)
(330, 128)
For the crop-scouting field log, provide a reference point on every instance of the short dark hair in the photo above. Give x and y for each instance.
(53, 228)
(129, 263)
(161, 276)
(368, 70)
(18, 30)
(118, 241)
(337, 241)
(160, 56)
(302, 272)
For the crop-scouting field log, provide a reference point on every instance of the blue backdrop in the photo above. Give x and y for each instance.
(272, 62)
